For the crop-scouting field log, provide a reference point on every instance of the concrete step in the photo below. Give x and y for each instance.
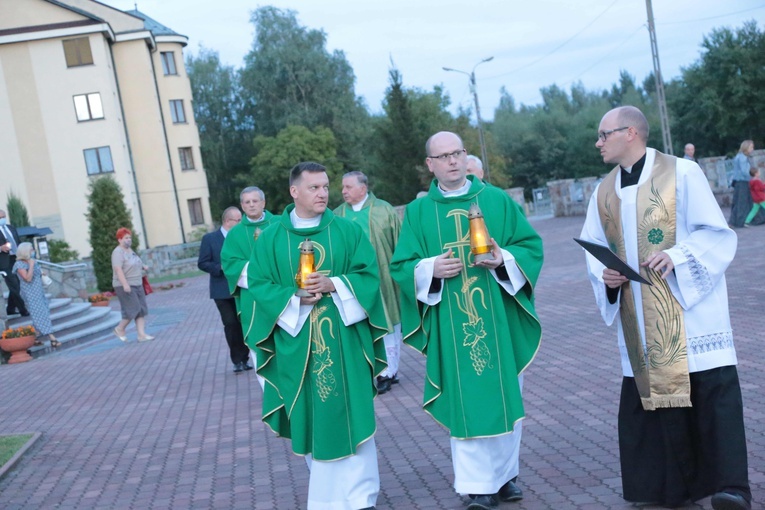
(61, 310)
(97, 329)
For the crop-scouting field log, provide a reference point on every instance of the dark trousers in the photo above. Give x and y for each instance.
(671, 455)
(233, 330)
(14, 291)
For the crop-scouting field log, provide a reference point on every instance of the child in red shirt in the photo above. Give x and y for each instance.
(757, 189)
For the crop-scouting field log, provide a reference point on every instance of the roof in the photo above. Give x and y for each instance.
(156, 28)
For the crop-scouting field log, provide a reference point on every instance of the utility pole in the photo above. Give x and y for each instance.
(474, 91)
(659, 82)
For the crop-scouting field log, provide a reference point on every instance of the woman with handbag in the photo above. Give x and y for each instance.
(126, 278)
(32, 292)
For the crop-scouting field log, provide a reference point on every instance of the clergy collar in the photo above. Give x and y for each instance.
(262, 217)
(456, 192)
(357, 207)
(299, 222)
(631, 175)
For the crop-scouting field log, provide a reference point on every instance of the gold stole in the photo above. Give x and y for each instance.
(661, 367)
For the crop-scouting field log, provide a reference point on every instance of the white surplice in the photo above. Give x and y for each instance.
(704, 248)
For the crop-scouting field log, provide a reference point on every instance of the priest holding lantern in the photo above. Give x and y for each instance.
(467, 261)
(318, 328)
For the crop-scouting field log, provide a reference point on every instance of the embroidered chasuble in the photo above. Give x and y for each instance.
(659, 360)
(478, 338)
(381, 224)
(319, 389)
(236, 252)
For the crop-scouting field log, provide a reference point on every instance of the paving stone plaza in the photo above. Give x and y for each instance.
(167, 424)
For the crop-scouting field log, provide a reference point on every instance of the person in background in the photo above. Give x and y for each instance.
(9, 242)
(209, 262)
(126, 278)
(690, 152)
(742, 198)
(757, 189)
(33, 294)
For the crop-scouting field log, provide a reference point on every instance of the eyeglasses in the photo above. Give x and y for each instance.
(603, 135)
(445, 157)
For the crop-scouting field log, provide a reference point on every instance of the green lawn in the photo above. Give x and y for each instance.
(9, 445)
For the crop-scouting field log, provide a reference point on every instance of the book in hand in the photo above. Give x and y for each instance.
(611, 260)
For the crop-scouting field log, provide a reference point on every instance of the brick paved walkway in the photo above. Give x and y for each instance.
(166, 424)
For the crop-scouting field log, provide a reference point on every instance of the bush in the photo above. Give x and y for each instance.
(107, 212)
(60, 251)
(17, 211)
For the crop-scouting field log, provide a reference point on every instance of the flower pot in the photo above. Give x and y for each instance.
(18, 348)
(100, 303)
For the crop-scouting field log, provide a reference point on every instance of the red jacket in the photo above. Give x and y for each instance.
(757, 189)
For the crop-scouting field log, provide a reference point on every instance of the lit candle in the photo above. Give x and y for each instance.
(480, 244)
(306, 267)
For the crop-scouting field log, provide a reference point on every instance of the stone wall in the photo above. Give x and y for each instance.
(570, 197)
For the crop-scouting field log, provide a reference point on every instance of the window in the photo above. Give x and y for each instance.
(195, 211)
(168, 62)
(176, 111)
(187, 158)
(99, 160)
(77, 52)
(88, 107)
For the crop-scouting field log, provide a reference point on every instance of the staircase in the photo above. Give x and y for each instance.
(73, 324)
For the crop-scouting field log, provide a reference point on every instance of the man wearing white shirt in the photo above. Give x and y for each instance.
(319, 354)
(681, 428)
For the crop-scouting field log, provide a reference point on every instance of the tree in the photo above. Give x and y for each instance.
(106, 213)
(289, 78)
(275, 157)
(226, 139)
(17, 211)
(60, 251)
(720, 100)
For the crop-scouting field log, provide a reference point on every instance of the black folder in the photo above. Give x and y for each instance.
(611, 260)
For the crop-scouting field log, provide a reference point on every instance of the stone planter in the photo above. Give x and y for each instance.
(100, 303)
(18, 348)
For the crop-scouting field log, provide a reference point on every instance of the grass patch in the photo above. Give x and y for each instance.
(173, 277)
(9, 445)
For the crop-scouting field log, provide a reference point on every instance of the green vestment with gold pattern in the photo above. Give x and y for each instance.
(381, 223)
(478, 338)
(236, 252)
(319, 385)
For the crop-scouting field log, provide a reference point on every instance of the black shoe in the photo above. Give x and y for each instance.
(394, 379)
(730, 501)
(24, 314)
(238, 367)
(510, 492)
(482, 502)
(383, 384)
(247, 366)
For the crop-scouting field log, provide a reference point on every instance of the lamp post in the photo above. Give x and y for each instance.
(471, 75)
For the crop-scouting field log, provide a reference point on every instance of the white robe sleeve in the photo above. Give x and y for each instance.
(294, 316)
(705, 246)
(516, 281)
(423, 276)
(242, 282)
(349, 307)
(593, 231)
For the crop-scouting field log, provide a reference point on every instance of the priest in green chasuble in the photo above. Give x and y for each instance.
(381, 224)
(237, 249)
(319, 354)
(475, 321)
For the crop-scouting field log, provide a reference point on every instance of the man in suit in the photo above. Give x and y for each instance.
(9, 241)
(209, 262)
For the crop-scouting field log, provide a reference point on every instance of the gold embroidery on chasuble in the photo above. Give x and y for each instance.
(660, 367)
(473, 328)
(322, 354)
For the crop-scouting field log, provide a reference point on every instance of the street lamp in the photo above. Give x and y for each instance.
(471, 75)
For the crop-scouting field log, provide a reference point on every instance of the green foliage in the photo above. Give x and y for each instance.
(720, 100)
(9, 445)
(106, 214)
(290, 78)
(275, 157)
(17, 211)
(226, 139)
(60, 251)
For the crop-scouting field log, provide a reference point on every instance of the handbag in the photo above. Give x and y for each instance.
(46, 280)
(146, 285)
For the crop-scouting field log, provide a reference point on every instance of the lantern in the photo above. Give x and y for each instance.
(480, 243)
(306, 267)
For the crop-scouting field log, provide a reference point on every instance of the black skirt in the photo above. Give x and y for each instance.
(672, 455)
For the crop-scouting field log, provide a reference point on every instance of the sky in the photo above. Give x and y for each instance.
(533, 44)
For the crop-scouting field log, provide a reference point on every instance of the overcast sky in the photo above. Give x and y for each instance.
(534, 43)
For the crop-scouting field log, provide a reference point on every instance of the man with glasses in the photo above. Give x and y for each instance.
(475, 321)
(681, 428)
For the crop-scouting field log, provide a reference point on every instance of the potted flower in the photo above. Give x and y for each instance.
(17, 341)
(98, 300)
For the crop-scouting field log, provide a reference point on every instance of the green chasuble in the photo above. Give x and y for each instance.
(236, 252)
(382, 225)
(319, 389)
(478, 338)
